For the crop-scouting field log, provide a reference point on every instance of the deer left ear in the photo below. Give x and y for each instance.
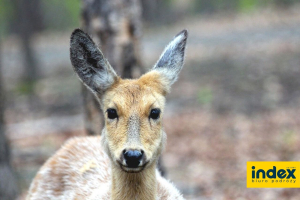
(171, 60)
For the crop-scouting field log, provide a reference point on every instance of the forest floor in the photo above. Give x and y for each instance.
(237, 100)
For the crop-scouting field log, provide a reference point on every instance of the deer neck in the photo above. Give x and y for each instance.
(133, 186)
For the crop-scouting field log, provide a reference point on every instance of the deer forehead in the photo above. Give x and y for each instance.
(137, 96)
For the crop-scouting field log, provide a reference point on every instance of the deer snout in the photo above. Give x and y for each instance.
(133, 158)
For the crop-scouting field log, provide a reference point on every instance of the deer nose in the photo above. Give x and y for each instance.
(133, 157)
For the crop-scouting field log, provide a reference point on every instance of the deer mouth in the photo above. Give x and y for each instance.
(127, 169)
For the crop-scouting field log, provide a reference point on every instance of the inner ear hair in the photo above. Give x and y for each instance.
(171, 60)
(89, 63)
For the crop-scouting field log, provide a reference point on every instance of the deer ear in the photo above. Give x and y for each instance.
(89, 63)
(171, 60)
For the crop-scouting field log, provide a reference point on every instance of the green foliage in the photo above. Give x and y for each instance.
(247, 5)
(73, 7)
(205, 96)
(61, 15)
(57, 14)
(64, 14)
(289, 137)
(6, 14)
(284, 2)
(26, 87)
(211, 6)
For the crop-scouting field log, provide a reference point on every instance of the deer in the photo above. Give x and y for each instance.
(121, 163)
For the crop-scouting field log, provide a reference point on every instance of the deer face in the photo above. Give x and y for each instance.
(133, 136)
(133, 118)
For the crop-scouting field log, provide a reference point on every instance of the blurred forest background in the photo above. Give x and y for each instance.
(237, 98)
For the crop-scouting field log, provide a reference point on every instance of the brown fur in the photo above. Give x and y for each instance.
(82, 160)
(134, 98)
(95, 168)
(81, 170)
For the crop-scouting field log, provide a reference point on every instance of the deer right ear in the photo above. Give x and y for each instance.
(89, 63)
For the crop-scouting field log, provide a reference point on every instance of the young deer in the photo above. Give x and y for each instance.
(121, 164)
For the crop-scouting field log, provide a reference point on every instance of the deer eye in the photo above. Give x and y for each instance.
(154, 113)
(112, 113)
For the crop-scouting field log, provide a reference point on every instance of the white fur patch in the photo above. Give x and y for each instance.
(82, 171)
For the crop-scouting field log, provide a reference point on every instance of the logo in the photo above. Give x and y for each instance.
(273, 174)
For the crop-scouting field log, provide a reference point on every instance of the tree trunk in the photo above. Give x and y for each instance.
(28, 21)
(8, 186)
(116, 26)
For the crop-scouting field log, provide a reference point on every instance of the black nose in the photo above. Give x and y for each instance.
(133, 158)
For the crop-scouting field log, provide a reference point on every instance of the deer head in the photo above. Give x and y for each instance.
(133, 135)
